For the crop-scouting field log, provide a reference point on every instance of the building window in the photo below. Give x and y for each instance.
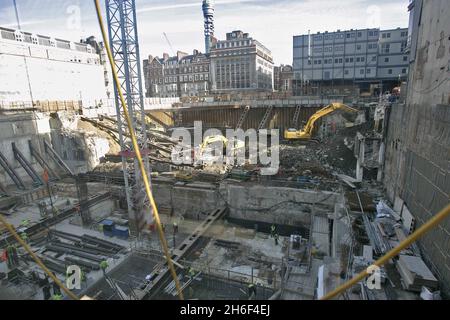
(390, 71)
(358, 59)
(404, 33)
(361, 71)
(403, 71)
(404, 44)
(386, 59)
(368, 71)
(358, 47)
(346, 72)
(359, 34)
(405, 58)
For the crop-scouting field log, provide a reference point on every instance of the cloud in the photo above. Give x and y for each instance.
(273, 22)
(188, 5)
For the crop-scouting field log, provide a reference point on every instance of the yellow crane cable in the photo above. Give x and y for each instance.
(433, 222)
(138, 154)
(36, 259)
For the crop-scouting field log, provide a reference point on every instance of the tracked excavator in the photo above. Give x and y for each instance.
(306, 133)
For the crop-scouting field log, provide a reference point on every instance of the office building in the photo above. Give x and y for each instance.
(241, 63)
(354, 57)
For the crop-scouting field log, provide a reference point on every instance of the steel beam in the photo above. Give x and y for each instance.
(35, 153)
(26, 165)
(11, 172)
(55, 156)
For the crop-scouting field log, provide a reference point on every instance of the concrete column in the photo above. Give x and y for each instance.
(381, 162)
(360, 161)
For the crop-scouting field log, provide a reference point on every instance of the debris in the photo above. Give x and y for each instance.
(415, 274)
(383, 210)
(428, 295)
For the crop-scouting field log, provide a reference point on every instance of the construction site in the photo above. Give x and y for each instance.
(94, 204)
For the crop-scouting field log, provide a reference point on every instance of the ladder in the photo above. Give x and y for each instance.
(243, 117)
(266, 117)
(296, 116)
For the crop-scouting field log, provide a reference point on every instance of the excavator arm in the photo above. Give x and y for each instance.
(307, 131)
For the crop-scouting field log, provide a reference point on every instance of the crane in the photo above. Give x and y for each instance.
(170, 44)
(307, 131)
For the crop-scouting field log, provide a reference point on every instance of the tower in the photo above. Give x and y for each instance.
(208, 14)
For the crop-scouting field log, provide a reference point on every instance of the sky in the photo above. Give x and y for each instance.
(272, 22)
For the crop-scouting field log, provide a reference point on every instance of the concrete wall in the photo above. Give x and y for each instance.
(20, 129)
(418, 142)
(79, 149)
(187, 201)
(50, 73)
(283, 206)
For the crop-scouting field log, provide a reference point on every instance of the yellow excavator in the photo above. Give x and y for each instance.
(307, 131)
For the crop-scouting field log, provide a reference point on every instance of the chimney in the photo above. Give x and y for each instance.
(165, 56)
(195, 52)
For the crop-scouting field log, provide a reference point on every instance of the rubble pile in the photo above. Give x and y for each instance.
(333, 155)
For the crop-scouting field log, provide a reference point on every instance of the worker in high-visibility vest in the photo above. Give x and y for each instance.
(272, 231)
(191, 273)
(24, 236)
(25, 223)
(276, 237)
(251, 290)
(104, 265)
